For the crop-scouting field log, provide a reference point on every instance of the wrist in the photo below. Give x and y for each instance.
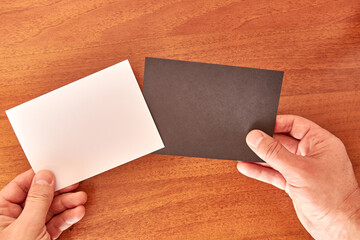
(350, 217)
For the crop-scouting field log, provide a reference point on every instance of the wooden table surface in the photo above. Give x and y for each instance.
(45, 44)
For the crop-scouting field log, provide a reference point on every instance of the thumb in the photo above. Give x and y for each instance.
(271, 151)
(39, 198)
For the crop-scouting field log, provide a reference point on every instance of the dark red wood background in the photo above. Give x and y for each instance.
(45, 44)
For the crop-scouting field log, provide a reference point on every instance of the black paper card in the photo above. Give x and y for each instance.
(206, 110)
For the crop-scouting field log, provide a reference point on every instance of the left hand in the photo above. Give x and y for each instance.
(29, 208)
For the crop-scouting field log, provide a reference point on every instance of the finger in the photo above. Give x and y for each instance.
(264, 164)
(9, 209)
(64, 220)
(67, 189)
(261, 173)
(271, 151)
(17, 190)
(5, 222)
(39, 198)
(66, 201)
(290, 143)
(296, 126)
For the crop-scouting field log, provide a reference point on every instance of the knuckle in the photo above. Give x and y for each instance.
(49, 215)
(272, 150)
(39, 196)
(339, 142)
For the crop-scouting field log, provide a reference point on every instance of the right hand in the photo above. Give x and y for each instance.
(313, 167)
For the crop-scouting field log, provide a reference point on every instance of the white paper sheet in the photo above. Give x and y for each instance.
(87, 127)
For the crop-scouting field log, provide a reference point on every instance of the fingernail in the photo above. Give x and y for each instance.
(72, 221)
(44, 178)
(241, 170)
(68, 223)
(254, 138)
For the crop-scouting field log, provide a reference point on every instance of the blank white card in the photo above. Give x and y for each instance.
(87, 127)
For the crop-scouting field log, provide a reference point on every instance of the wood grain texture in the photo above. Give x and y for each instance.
(45, 44)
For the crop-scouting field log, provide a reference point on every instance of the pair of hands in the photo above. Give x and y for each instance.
(29, 208)
(303, 159)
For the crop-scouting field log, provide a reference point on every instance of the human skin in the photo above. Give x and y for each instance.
(30, 209)
(303, 159)
(314, 169)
